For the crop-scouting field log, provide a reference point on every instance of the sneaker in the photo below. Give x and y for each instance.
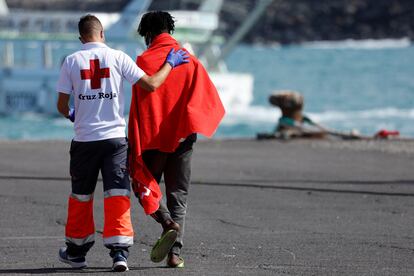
(120, 263)
(163, 245)
(75, 262)
(175, 261)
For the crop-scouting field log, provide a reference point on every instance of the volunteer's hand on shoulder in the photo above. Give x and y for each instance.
(174, 59)
(177, 58)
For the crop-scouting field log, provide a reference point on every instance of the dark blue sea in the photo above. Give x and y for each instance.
(360, 85)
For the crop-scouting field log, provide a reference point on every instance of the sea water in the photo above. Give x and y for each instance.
(361, 85)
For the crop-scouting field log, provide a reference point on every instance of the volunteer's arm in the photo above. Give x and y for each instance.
(150, 83)
(63, 106)
(64, 87)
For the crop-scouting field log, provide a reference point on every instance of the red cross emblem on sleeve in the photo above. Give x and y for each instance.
(95, 73)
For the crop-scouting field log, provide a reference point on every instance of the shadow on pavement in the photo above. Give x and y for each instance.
(270, 184)
(57, 270)
(54, 270)
(309, 189)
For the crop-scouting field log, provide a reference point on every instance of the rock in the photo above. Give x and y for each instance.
(284, 21)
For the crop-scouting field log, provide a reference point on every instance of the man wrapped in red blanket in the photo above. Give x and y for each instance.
(162, 130)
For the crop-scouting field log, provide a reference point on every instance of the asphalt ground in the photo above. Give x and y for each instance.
(255, 208)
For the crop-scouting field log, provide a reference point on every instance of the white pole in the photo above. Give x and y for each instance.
(4, 10)
(243, 29)
(47, 55)
(9, 55)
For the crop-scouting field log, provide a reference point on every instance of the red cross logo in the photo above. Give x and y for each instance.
(95, 74)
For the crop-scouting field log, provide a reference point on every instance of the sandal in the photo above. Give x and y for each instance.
(163, 245)
(175, 261)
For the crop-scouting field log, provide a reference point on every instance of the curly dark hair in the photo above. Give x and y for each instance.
(156, 22)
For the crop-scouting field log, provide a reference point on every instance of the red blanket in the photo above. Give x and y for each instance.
(186, 103)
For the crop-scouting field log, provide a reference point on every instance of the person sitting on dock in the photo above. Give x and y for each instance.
(293, 123)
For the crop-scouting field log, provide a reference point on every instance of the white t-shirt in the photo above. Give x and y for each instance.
(94, 76)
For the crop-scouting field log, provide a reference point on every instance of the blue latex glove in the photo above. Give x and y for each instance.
(71, 115)
(177, 58)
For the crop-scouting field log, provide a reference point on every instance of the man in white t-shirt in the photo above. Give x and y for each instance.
(94, 77)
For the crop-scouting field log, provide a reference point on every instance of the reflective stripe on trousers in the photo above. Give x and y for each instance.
(80, 227)
(117, 209)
